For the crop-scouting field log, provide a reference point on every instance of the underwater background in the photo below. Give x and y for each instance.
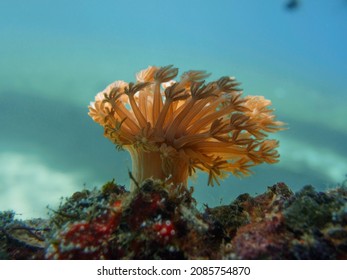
(56, 55)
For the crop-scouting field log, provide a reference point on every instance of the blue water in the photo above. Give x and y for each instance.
(56, 55)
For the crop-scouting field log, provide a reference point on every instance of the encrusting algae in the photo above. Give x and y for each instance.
(160, 221)
(173, 128)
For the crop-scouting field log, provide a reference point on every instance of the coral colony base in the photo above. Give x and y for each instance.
(172, 128)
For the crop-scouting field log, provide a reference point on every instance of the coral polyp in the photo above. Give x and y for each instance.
(173, 128)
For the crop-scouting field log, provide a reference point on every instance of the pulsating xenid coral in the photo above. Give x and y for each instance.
(173, 128)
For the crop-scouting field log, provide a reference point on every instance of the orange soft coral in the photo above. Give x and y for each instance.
(172, 128)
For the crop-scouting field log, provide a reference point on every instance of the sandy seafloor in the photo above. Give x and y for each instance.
(55, 56)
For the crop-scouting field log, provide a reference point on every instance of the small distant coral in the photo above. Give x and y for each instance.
(173, 128)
